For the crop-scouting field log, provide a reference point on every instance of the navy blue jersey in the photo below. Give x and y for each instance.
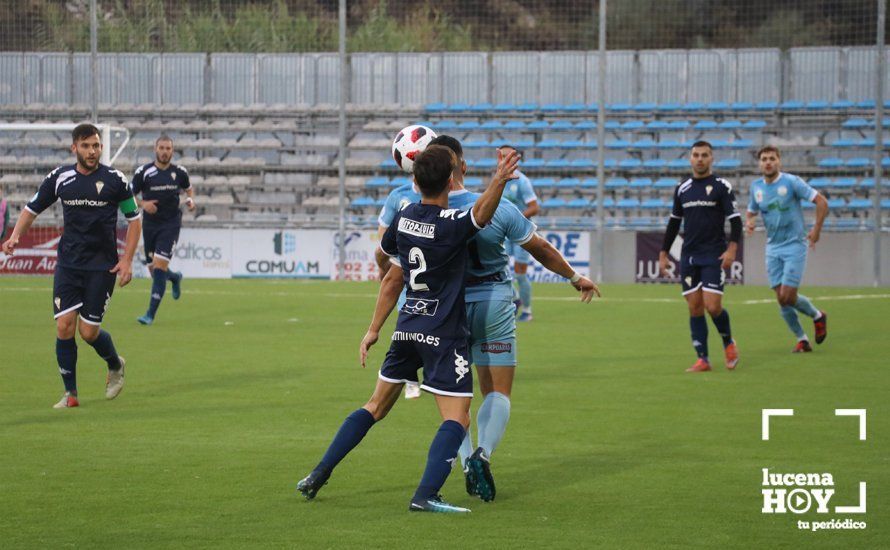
(431, 245)
(163, 186)
(704, 205)
(89, 209)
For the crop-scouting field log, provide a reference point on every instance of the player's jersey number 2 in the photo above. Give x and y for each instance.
(415, 256)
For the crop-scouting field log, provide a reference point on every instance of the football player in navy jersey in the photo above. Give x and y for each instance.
(160, 183)
(704, 203)
(88, 262)
(429, 242)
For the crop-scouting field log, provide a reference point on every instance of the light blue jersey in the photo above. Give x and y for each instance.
(395, 201)
(779, 205)
(520, 192)
(489, 262)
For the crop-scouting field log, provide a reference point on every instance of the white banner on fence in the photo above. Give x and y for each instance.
(360, 264)
(574, 245)
(285, 253)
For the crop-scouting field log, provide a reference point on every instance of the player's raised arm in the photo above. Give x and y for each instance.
(485, 206)
(549, 257)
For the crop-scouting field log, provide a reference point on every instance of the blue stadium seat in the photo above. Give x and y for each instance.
(754, 124)
(616, 183)
(481, 107)
(618, 107)
(585, 163)
(869, 183)
(866, 104)
(678, 164)
(468, 125)
(380, 203)
(532, 164)
(817, 105)
(574, 107)
(807, 205)
(589, 183)
(766, 106)
(693, 106)
(836, 203)
(820, 183)
(504, 107)
(657, 125)
(633, 125)
(742, 106)
(554, 202)
(572, 144)
(859, 204)
(387, 165)
(665, 183)
(548, 144)
(854, 123)
(628, 203)
(475, 143)
(740, 144)
(376, 182)
(885, 162)
(792, 105)
(705, 125)
(640, 183)
(459, 107)
(561, 125)
(858, 162)
(719, 143)
(527, 107)
(557, 163)
(486, 163)
(399, 181)
(670, 144)
(445, 125)
(845, 142)
(608, 202)
(842, 104)
(522, 143)
(473, 181)
(544, 183)
(551, 107)
(844, 183)
(618, 144)
(514, 125)
(432, 107)
(578, 203)
(362, 202)
(491, 125)
(717, 106)
(885, 204)
(730, 125)
(608, 163)
(539, 125)
(728, 164)
(613, 125)
(666, 107)
(568, 183)
(654, 164)
(654, 204)
(830, 162)
(585, 125)
(645, 107)
(678, 125)
(630, 164)
(647, 143)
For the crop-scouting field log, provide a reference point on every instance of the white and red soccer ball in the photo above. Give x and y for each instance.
(409, 142)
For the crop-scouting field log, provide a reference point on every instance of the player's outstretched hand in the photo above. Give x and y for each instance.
(507, 166)
(124, 270)
(9, 246)
(588, 289)
(369, 340)
(150, 206)
(813, 237)
(749, 227)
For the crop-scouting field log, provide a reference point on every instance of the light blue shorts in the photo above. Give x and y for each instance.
(786, 267)
(518, 253)
(492, 333)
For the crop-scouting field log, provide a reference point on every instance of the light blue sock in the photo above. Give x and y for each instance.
(805, 306)
(790, 316)
(466, 448)
(492, 420)
(525, 291)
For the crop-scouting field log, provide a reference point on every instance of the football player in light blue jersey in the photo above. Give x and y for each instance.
(491, 316)
(777, 197)
(521, 193)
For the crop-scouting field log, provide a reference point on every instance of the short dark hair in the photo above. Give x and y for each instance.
(433, 168)
(84, 131)
(508, 146)
(450, 142)
(163, 137)
(769, 149)
(702, 143)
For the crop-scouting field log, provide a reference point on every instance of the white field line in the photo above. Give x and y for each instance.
(338, 295)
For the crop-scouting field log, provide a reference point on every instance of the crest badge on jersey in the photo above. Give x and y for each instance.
(99, 186)
(708, 189)
(758, 196)
(173, 175)
(782, 191)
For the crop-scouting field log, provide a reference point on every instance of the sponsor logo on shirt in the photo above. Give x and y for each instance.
(164, 187)
(84, 202)
(692, 204)
(399, 336)
(420, 306)
(418, 229)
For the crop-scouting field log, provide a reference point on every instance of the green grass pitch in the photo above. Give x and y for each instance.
(233, 395)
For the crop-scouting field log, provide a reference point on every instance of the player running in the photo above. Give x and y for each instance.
(88, 262)
(521, 193)
(704, 202)
(430, 240)
(777, 195)
(160, 183)
(491, 317)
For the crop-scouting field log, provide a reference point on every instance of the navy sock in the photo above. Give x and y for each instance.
(173, 275)
(699, 328)
(158, 286)
(722, 323)
(350, 434)
(66, 355)
(440, 459)
(104, 346)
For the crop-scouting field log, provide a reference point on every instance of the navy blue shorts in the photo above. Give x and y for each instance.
(445, 363)
(705, 273)
(160, 240)
(86, 291)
